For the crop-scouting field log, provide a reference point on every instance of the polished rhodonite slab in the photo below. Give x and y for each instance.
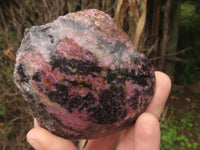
(82, 77)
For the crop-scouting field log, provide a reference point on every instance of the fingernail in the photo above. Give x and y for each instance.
(34, 144)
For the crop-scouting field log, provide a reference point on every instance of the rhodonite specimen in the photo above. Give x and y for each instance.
(82, 77)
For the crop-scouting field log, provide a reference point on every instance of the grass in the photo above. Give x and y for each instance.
(180, 130)
(15, 119)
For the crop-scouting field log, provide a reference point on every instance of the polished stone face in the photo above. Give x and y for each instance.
(82, 77)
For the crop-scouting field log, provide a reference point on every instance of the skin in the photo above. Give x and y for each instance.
(143, 135)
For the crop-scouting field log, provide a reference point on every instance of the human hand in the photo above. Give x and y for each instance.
(143, 135)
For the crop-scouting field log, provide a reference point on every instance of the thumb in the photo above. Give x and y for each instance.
(144, 135)
(41, 139)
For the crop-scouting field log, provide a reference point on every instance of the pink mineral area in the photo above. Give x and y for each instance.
(85, 39)
(38, 88)
(129, 89)
(149, 84)
(78, 90)
(103, 73)
(49, 77)
(71, 50)
(106, 60)
(103, 26)
(34, 60)
(144, 100)
(98, 14)
(79, 38)
(138, 87)
(128, 63)
(83, 115)
(98, 84)
(68, 119)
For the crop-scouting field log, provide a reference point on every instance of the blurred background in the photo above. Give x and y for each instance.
(166, 31)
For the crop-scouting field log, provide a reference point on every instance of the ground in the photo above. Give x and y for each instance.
(180, 124)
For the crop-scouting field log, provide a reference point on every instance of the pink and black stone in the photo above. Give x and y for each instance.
(81, 76)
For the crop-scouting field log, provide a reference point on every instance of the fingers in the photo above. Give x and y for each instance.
(145, 135)
(162, 89)
(105, 143)
(42, 139)
(35, 123)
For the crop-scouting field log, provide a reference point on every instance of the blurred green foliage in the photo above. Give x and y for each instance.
(2, 112)
(189, 37)
(7, 38)
(176, 132)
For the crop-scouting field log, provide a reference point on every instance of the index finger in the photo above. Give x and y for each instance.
(162, 89)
